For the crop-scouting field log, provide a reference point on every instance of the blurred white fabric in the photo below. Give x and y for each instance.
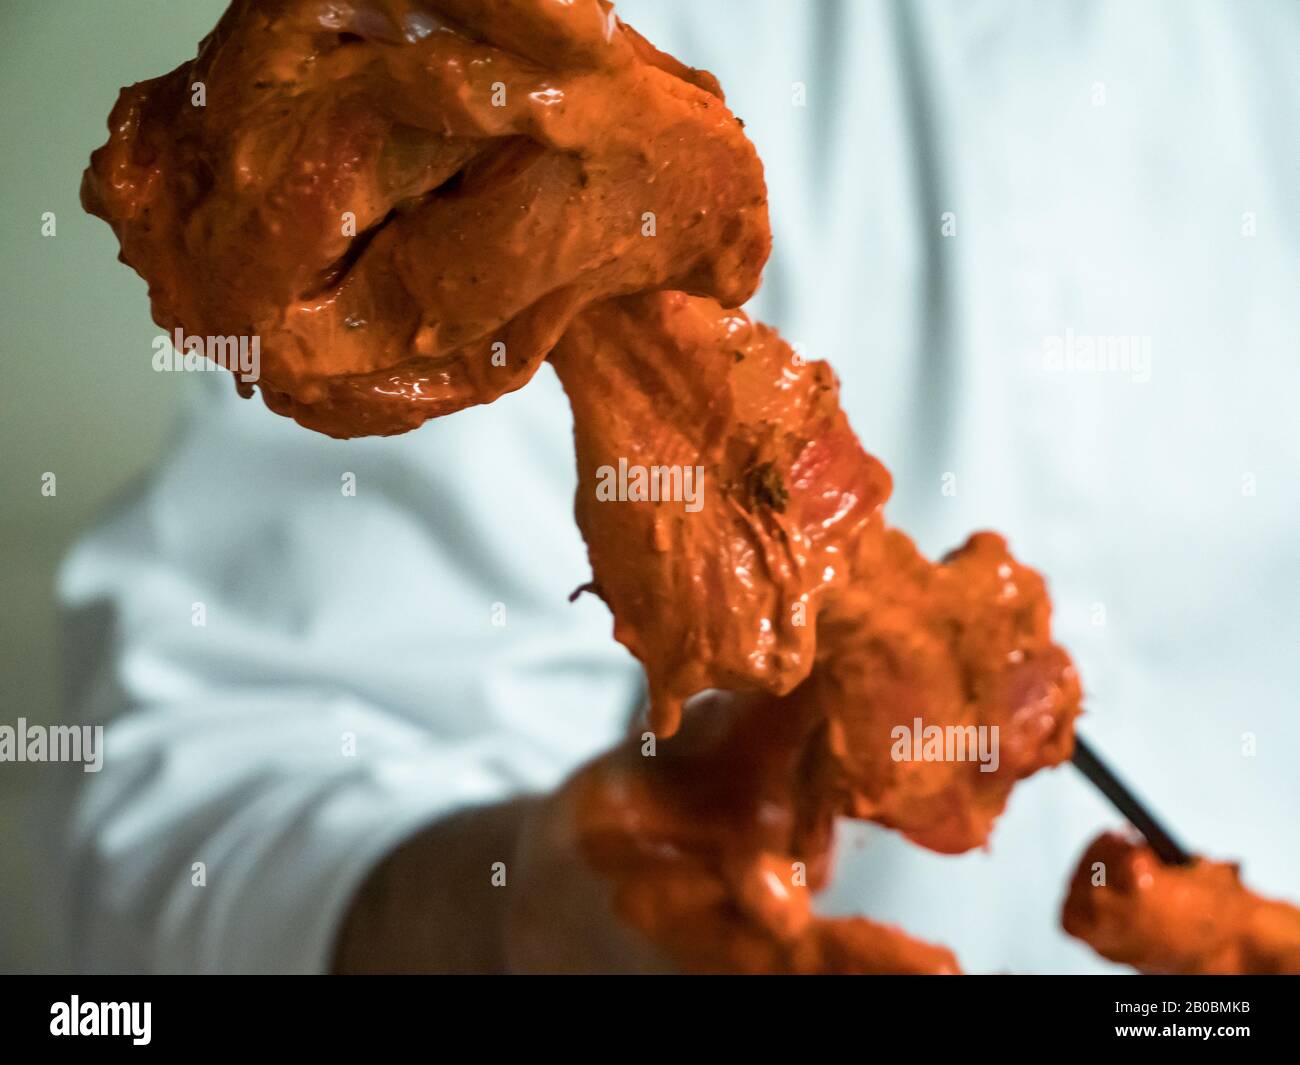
(1111, 169)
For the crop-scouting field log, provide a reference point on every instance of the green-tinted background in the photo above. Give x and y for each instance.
(78, 397)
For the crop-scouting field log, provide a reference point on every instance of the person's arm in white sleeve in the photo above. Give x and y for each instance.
(305, 652)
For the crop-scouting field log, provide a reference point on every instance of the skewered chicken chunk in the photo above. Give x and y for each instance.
(714, 848)
(960, 651)
(1191, 919)
(753, 486)
(406, 201)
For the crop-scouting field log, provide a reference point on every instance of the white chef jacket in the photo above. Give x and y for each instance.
(294, 678)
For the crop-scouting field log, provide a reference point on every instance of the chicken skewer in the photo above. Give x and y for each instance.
(520, 180)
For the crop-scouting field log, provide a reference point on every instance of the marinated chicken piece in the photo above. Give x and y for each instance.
(941, 686)
(719, 483)
(710, 852)
(406, 201)
(1192, 919)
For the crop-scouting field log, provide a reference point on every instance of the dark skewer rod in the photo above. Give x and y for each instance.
(1092, 767)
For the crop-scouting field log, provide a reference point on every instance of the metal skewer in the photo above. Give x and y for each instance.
(1166, 847)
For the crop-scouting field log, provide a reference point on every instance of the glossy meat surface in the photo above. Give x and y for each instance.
(721, 590)
(715, 847)
(964, 648)
(406, 201)
(1195, 919)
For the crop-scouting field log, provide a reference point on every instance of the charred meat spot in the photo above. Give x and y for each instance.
(763, 487)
